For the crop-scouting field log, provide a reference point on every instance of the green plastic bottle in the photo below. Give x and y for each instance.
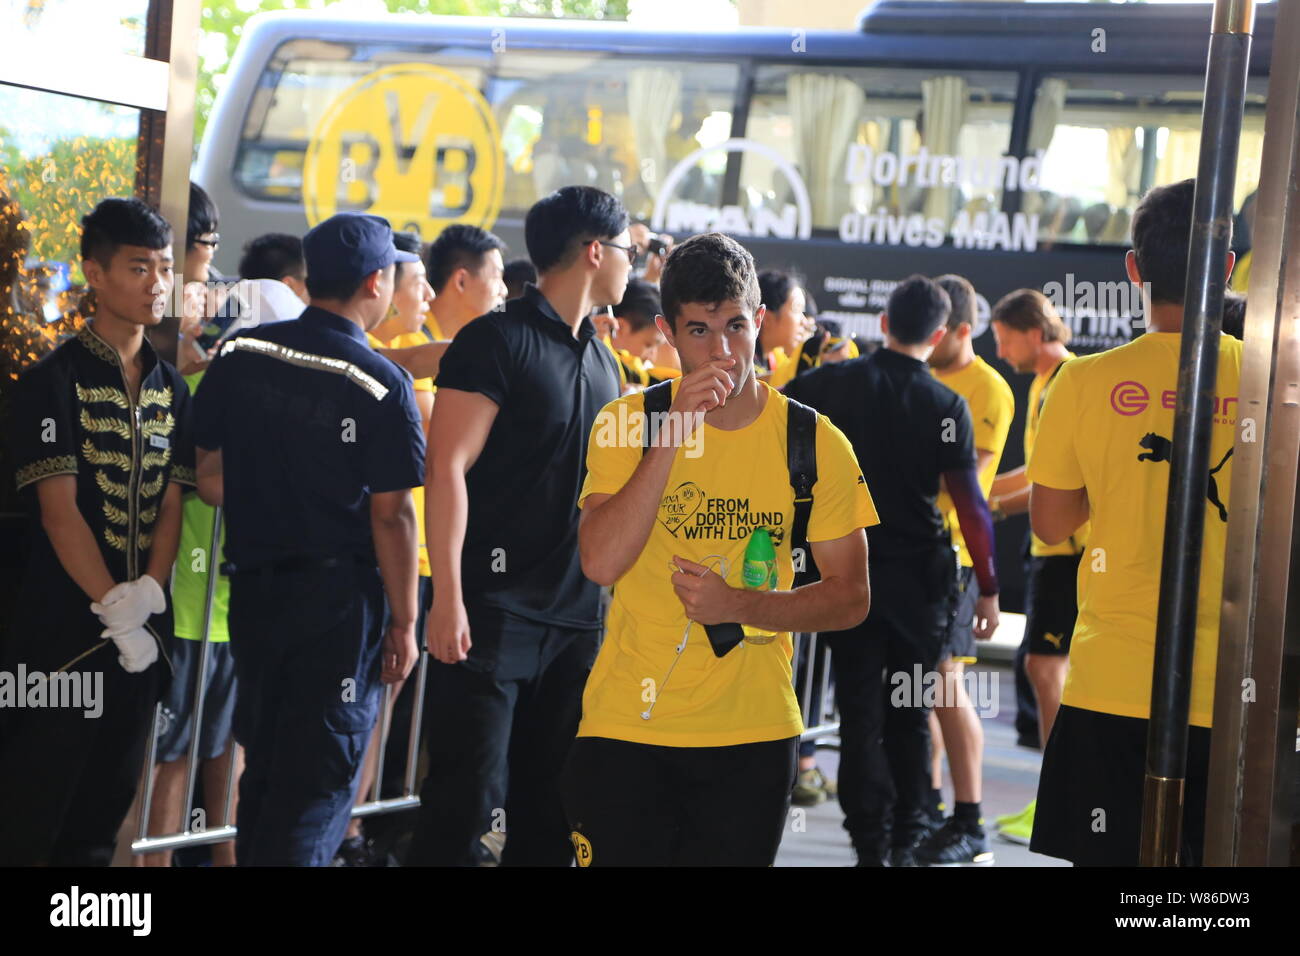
(759, 574)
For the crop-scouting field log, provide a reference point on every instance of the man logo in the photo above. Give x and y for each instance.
(411, 142)
(581, 848)
(679, 216)
(1130, 398)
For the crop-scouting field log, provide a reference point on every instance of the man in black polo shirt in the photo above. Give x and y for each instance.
(312, 441)
(515, 624)
(911, 435)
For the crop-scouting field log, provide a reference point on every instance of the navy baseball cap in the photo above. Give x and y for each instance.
(351, 245)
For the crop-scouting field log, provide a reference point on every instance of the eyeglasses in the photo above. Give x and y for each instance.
(633, 254)
(211, 243)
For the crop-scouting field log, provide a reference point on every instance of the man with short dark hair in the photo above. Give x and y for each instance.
(912, 436)
(100, 438)
(517, 274)
(686, 752)
(636, 336)
(514, 623)
(275, 266)
(1102, 454)
(465, 267)
(312, 442)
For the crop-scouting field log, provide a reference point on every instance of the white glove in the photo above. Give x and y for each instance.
(128, 605)
(137, 649)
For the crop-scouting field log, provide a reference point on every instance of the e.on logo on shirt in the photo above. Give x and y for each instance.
(1132, 398)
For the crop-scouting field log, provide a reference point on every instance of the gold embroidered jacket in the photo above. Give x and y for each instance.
(73, 414)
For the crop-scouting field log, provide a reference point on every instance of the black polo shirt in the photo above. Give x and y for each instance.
(310, 421)
(521, 541)
(907, 428)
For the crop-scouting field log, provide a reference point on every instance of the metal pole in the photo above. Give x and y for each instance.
(417, 724)
(1180, 573)
(1249, 815)
(200, 691)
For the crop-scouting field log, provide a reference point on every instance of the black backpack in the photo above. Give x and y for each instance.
(801, 459)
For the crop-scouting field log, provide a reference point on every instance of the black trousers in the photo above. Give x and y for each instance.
(636, 804)
(307, 657)
(67, 779)
(884, 728)
(499, 730)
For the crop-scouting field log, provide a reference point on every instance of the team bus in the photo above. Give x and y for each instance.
(1007, 142)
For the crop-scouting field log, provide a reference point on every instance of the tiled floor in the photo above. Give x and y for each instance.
(1010, 781)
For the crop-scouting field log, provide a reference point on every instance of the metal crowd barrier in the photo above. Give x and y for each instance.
(186, 834)
(819, 720)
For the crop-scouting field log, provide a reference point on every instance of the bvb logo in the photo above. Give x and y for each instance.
(581, 848)
(413, 143)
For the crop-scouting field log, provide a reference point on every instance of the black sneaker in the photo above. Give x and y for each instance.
(903, 856)
(354, 851)
(955, 844)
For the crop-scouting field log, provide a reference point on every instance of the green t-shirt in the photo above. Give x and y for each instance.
(190, 586)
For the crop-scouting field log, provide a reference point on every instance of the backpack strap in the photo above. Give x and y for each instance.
(801, 458)
(658, 399)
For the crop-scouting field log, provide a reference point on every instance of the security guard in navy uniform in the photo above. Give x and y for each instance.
(312, 441)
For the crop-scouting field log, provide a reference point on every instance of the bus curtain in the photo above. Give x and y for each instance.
(653, 94)
(825, 110)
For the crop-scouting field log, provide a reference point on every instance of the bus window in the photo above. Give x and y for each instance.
(1107, 139)
(872, 141)
(301, 80)
(614, 122)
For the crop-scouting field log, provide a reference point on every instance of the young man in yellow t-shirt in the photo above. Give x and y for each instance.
(960, 840)
(683, 756)
(1103, 452)
(1032, 337)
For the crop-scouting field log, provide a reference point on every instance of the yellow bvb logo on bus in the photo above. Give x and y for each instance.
(411, 142)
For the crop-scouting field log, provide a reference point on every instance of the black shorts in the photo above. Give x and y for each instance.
(960, 645)
(635, 804)
(1090, 790)
(175, 721)
(1052, 603)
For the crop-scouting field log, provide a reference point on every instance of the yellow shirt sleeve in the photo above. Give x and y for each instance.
(1054, 461)
(613, 447)
(992, 414)
(841, 500)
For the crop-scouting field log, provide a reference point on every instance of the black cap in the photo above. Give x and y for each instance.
(351, 245)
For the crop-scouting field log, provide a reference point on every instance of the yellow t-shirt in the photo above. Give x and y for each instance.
(1037, 547)
(992, 406)
(1107, 427)
(738, 481)
(406, 340)
(785, 368)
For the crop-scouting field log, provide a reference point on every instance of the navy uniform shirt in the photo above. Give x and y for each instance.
(907, 428)
(521, 540)
(310, 421)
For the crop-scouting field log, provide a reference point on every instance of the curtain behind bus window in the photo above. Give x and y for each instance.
(856, 138)
(1107, 139)
(615, 122)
